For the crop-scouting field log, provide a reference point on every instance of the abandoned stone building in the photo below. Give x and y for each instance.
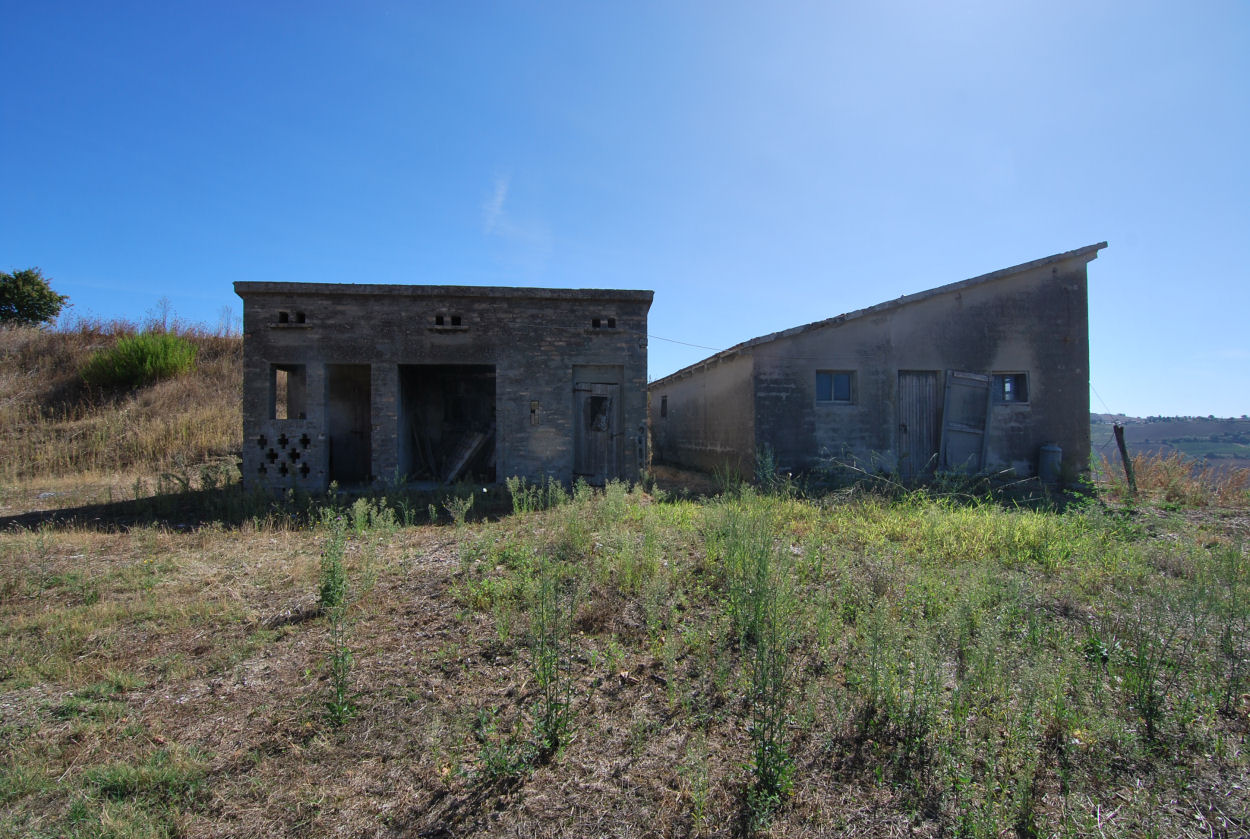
(984, 375)
(362, 384)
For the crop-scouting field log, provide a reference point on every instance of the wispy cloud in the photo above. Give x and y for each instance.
(525, 239)
(492, 207)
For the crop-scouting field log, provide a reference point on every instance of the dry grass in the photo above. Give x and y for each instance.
(1177, 479)
(950, 668)
(189, 671)
(54, 426)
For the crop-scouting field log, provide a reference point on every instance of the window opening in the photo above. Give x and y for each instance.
(300, 318)
(597, 413)
(533, 413)
(438, 320)
(455, 320)
(288, 392)
(611, 323)
(284, 317)
(835, 386)
(663, 406)
(1011, 387)
(594, 323)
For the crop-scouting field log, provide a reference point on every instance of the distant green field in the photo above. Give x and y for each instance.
(1213, 450)
(1200, 439)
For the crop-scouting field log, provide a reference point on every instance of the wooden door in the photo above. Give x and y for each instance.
(965, 421)
(597, 431)
(919, 422)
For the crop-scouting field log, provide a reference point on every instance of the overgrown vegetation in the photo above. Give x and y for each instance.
(138, 360)
(54, 427)
(1175, 479)
(612, 661)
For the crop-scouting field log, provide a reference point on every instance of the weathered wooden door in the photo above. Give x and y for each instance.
(597, 431)
(965, 420)
(919, 422)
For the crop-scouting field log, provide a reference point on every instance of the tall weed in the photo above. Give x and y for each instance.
(551, 640)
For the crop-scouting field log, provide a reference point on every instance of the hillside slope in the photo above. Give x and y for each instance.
(1221, 442)
(52, 425)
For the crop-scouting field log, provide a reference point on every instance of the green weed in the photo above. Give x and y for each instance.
(141, 359)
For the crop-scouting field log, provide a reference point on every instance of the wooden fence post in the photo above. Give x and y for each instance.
(1128, 464)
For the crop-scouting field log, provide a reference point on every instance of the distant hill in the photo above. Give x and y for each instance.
(1222, 442)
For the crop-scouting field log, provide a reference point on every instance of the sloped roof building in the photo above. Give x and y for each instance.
(983, 375)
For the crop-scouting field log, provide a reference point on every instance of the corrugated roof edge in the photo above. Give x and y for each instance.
(245, 288)
(1088, 253)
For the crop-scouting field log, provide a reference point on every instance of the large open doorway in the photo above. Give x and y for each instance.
(349, 421)
(447, 422)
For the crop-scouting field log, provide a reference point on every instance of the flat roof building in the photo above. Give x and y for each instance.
(361, 384)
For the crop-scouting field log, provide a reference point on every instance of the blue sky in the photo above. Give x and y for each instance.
(757, 165)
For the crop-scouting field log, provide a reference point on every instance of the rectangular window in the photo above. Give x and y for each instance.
(835, 386)
(663, 406)
(1011, 387)
(288, 392)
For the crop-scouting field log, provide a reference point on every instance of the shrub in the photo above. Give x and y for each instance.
(137, 360)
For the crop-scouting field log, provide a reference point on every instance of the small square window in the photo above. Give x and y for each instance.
(455, 320)
(439, 320)
(1011, 387)
(835, 386)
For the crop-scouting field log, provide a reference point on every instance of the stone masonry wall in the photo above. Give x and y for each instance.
(533, 337)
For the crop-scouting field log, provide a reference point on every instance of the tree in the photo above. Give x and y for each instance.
(27, 299)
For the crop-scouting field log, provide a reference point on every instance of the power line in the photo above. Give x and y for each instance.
(1100, 399)
(684, 343)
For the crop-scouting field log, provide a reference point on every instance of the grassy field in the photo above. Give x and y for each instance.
(874, 661)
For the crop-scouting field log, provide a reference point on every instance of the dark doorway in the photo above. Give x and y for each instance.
(919, 422)
(447, 422)
(597, 431)
(349, 421)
